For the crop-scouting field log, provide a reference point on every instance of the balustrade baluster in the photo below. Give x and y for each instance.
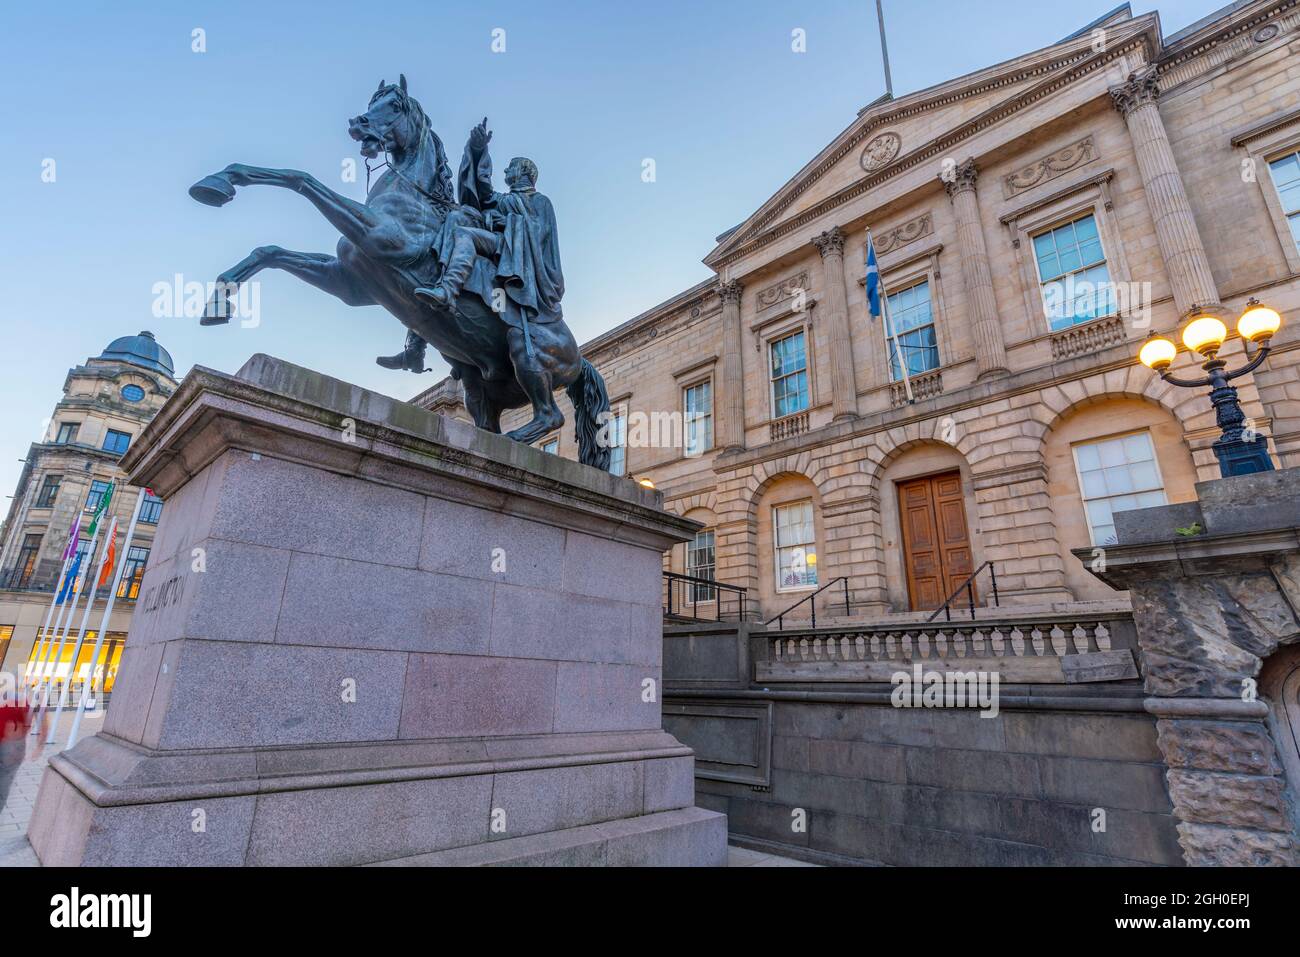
(1090, 630)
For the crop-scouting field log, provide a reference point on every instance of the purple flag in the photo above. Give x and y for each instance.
(73, 538)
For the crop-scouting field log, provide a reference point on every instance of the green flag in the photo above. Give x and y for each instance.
(101, 508)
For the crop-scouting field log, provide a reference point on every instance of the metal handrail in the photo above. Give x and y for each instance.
(780, 618)
(741, 593)
(946, 607)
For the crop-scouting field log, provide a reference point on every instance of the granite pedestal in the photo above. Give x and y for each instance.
(371, 634)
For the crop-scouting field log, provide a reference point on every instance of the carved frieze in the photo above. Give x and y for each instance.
(1049, 167)
(908, 232)
(781, 291)
(881, 151)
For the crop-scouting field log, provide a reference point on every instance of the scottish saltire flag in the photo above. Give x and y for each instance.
(101, 508)
(73, 539)
(873, 279)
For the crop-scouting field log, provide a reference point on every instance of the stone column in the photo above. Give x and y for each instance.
(1180, 242)
(844, 385)
(982, 306)
(1210, 609)
(731, 407)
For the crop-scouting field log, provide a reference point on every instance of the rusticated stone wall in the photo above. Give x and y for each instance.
(1210, 609)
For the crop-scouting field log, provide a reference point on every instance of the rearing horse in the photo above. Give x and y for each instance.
(388, 249)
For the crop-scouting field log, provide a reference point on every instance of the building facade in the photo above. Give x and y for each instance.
(106, 403)
(1034, 221)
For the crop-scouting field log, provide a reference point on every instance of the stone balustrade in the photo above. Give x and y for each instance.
(1051, 649)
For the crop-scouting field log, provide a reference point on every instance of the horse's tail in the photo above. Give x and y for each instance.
(590, 415)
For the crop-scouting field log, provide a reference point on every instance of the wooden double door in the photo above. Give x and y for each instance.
(936, 543)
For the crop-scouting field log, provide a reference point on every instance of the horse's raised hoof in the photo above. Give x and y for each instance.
(216, 312)
(214, 190)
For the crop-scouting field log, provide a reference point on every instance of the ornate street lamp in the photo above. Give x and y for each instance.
(1204, 335)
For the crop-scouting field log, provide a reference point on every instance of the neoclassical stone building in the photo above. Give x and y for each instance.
(107, 401)
(1034, 222)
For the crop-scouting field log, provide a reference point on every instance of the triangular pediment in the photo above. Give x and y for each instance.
(890, 135)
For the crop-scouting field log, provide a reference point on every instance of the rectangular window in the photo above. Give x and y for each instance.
(103, 672)
(1075, 282)
(6, 636)
(698, 402)
(132, 571)
(618, 442)
(789, 375)
(911, 320)
(1286, 178)
(117, 442)
(27, 560)
(1115, 475)
(151, 510)
(49, 491)
(67, 433)
(551, 445)
(700, 564)
(796, 557)
(97, 489)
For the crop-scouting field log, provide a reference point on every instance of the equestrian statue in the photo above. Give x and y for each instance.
(475, 275)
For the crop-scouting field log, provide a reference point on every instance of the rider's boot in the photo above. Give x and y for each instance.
(411, 357)
(453, 278)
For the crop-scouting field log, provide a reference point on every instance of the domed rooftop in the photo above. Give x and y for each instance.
(141, 350)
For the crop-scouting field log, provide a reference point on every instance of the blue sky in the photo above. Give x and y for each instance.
(113, 93)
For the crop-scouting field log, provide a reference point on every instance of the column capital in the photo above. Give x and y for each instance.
(730, 291)
(962, 178)
(831, 241)
(1141, 88)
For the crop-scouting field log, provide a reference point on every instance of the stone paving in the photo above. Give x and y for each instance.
(14, 849)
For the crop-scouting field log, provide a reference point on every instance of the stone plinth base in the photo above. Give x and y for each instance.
(369, 634)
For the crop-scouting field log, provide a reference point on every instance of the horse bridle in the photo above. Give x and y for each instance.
(388, 159)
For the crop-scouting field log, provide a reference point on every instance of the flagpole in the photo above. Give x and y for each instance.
(103, 622)
(69, 552)
(891, 340)
(81, 629)
(884, 50)
(44, 662)
(44, 690)
(44, 634)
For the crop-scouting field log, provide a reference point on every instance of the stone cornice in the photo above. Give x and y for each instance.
(1277, 121)
(280, 410)
(1215, 34)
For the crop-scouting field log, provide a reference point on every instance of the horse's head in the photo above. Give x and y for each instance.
(394, 122)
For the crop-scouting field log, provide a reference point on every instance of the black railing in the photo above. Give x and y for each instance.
(969, 587)
(780, 619)
(702, 599)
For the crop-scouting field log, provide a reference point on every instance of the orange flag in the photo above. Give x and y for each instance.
(107, 574)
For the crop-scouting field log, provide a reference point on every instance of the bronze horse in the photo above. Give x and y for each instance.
(388, 249)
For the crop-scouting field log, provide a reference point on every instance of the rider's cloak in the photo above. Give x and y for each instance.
(528, 268)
